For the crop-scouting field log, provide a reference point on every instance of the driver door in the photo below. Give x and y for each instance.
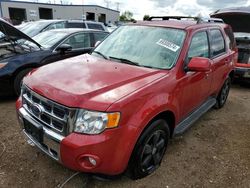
(195, 86)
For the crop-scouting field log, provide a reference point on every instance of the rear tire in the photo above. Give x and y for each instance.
(149, 150)
(223, 95)
(19, 79)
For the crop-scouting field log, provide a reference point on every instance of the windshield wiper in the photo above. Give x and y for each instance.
(99, 53)
(125, 61)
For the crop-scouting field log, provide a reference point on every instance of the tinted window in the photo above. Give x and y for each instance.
(77, 41)
(99, 36)
(95, 26)
(76, 25)
(199, 46)
(217, 42)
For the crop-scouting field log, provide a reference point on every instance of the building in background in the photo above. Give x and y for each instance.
(19, 11)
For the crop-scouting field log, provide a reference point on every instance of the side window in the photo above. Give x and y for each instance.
(99, 36)
(217, 42)
(77, 41)
(60, 25)
(199, 46)
(76, 25)
(95, 26)
(50, 27)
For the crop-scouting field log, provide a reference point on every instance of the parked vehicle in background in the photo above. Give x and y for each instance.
(22, 25)
(116, 109)
(111, 27)
(238, 18)
(20, 53)
(85, 24)
(36, 27)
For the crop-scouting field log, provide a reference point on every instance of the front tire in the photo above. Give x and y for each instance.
(18, 80)
(149, 150)
(223, 95)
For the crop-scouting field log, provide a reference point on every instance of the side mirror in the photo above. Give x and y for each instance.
(97, 43)
(64, 48)
(199, 64)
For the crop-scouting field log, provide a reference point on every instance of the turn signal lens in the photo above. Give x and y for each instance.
(113, 120)
(2, 65)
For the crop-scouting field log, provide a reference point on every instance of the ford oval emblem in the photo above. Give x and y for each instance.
(36, 109)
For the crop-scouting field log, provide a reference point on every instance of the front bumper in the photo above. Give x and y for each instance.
(51, 140)
(111, 149)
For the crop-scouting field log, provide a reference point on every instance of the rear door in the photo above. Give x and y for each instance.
(222, 59)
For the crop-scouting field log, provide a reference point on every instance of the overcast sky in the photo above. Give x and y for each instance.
(160, 7)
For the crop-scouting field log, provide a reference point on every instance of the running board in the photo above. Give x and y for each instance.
(194, 116)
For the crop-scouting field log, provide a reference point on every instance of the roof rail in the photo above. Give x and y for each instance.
(173, 17)
(197, 19)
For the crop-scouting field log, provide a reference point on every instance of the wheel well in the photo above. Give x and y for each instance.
(21, 69)
(169, 117)
(231, 75)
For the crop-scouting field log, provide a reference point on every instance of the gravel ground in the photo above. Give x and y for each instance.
(215, 152)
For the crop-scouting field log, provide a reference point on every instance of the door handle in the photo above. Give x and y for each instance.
(206, 76)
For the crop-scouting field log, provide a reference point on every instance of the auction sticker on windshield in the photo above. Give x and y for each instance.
(169, 45)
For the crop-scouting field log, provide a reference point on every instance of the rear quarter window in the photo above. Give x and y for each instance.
(95, 26)
(76, 25)
(230, 40)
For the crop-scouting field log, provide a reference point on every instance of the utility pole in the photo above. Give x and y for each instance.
(118, 6)
(83, 13)
(107, 3)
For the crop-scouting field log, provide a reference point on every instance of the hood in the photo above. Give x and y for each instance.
(238, 18)
(14, 33)
(89, 82)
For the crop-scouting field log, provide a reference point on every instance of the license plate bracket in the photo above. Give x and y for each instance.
(36, 131)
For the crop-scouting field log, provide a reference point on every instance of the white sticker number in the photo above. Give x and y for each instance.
(169, 45)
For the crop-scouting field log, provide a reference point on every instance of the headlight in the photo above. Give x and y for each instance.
(3, 64)
(90, 122)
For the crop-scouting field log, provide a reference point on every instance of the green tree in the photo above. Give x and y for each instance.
(146, 17)
(126, 16)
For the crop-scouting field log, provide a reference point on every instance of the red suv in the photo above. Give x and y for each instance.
(116, 109)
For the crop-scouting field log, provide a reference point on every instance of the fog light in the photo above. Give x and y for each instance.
(92, 161)
(88, 161)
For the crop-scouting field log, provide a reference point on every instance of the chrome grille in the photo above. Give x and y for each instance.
(52, 115)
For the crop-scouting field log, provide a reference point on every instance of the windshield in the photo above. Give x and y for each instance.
(48, 39)
(153, 47)
(34, 28)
